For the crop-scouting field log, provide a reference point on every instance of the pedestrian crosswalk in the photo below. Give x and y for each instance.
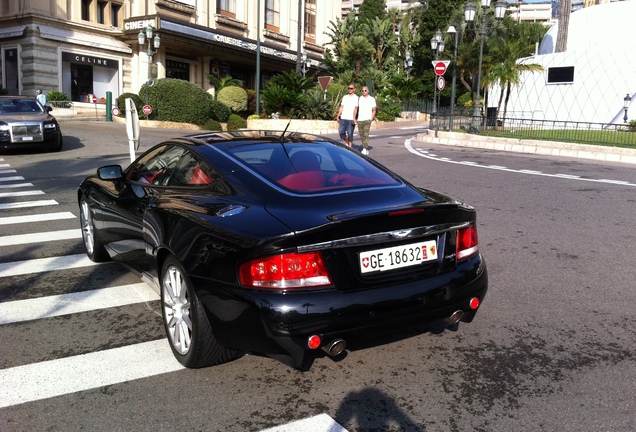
(45, 277)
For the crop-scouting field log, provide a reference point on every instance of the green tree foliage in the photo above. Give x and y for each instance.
(360, 50)
(235, 98)
(178, 101)
(284, 94)
(317, 106)
(371, 9)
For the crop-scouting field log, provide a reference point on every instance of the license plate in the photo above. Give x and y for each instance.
(27, 138)
(398, 256)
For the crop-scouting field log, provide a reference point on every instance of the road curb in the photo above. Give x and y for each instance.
(547, 148)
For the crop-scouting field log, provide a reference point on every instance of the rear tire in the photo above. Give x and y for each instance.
(187, 327)
(94, 247)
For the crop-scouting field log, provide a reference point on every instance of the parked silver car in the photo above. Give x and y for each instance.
(25, 124)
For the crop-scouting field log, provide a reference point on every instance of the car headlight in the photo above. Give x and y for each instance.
(50, 126)
(4, 127)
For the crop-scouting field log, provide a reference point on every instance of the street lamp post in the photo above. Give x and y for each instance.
(437, 45)
(626, 101)
(452, 29)
(153, 46)
(408, 64)
(305, 63)
(469, 14)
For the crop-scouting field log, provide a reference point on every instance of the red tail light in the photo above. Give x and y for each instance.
(287, 271)
(467, 244)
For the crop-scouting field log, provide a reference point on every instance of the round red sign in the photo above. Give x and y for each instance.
(147, 109)
(440, 68)
(441, 83)
(94, 99)
(115, 111)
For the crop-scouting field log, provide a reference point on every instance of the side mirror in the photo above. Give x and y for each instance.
(48, 108)
(110, 172)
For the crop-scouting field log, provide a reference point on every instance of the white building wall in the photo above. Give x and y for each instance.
(600, 47)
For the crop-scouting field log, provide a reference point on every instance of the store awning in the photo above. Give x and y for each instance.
(86, 39)
(9, 32)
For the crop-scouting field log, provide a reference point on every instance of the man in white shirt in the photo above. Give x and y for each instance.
(347, 115)
(40, 97)
(366, 114)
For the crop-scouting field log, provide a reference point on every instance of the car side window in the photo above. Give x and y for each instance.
(190, 171)
(158, 166)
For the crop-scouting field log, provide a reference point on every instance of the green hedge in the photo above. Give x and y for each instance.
(121, 103)
(178, 101)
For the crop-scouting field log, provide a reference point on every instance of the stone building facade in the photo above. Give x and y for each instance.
(91, 47)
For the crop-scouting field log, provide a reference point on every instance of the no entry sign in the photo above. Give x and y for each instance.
(440, 66)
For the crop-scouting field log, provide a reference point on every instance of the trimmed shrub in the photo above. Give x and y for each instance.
(121, 103)
(219, 112)
(60, 97)
(212, 125)
(235, 98)
(235, 122)
(178, 101)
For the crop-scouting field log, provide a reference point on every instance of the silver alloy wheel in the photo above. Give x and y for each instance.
(176, 310)
(88, 231)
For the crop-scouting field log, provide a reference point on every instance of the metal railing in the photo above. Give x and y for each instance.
(622, 135)
(62, 108)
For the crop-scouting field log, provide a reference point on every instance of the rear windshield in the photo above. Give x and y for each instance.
(310, 167)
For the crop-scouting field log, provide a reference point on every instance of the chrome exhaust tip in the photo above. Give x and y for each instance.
(334, 347)
(454, 318)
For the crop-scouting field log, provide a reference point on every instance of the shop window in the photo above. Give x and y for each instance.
(310, 21)
(272, 15)
(226, 7)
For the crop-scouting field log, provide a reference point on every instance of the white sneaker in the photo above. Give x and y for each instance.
(365, 151)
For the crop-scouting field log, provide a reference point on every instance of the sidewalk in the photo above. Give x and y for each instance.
(547, 148)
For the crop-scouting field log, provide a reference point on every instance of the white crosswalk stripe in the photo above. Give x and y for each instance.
(9, 220)
(19, 239)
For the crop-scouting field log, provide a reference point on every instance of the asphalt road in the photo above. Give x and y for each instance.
(551, 349)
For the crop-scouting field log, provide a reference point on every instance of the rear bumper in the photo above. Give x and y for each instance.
(280, 324)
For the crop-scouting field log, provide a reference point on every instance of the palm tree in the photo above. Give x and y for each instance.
(358, 48)
(506, 70)
(381, 36)
(564, 23)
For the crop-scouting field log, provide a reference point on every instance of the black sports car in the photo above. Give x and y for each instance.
(280, 244)
(25, 124)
